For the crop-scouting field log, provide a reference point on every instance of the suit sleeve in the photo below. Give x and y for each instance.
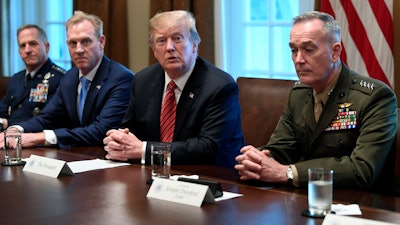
(111, 111)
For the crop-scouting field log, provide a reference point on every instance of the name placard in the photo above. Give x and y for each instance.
(47, 166)
(332, 219)
(180, 192)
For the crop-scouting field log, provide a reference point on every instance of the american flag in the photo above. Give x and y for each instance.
(367, 35)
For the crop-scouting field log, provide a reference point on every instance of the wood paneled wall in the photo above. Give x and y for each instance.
(114, 16)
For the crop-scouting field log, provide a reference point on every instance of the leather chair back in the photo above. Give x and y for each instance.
(262, 102)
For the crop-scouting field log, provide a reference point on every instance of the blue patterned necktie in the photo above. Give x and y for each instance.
(82, 96)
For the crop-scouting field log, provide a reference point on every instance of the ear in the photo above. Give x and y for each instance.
(47, 46)
(102, 41)
(194, 48)
(336, 50)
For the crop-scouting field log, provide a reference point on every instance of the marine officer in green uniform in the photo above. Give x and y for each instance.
(29, 90)
(335, 118)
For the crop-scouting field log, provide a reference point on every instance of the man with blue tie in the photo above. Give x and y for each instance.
(65, 121)
(29, 90)
(202, 121)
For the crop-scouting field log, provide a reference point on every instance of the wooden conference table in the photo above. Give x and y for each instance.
(118, 196)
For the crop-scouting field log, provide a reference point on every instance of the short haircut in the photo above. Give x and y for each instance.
(178, 17)
(42, 33)
(330, 25)
(80, 16)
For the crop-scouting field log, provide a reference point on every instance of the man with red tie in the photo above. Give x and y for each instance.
(202, 121)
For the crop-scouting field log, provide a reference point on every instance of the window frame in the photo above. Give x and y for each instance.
(231, 44)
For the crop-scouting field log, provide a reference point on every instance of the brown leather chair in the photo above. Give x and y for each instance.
(262, 102)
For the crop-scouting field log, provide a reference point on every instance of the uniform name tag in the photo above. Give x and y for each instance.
(47, 166)
(180, 192)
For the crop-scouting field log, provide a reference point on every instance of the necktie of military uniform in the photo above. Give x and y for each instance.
(318, 106)
(168, 114)
(28, 77)
(82, 96)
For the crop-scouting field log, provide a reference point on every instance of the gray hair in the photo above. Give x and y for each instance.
(42, 33)
(330, 25)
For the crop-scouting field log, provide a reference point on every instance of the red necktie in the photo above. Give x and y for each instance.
(168, 114)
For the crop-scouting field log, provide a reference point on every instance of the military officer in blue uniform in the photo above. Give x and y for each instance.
(335, 119)
(29, 90)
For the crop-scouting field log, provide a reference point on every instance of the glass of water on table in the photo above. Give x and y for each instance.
(320, 188)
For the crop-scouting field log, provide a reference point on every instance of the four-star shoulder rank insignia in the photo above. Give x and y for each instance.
(367, 84)
(345, 119)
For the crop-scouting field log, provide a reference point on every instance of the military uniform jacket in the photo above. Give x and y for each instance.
(354, 136)
(26, 98)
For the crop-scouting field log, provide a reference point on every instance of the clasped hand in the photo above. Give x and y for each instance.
(259, 165)
(28, 139)
(122, 145)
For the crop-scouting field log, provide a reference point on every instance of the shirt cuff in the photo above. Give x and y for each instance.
(295, 176)
(50, 137)
(143, 160)
(21, 129)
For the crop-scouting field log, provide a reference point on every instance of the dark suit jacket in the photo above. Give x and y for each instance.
(18, 91)
(359, 155)
(208, 124)
(105, 106)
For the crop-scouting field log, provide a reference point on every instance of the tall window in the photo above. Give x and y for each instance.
(50, 15)
(255, 37)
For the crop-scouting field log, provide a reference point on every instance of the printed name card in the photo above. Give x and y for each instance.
(332, 219)
(47, 166)
(180, 192)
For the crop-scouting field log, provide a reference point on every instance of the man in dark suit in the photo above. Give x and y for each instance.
(29, 90)
(207, 128)
(335, 119)
(107, 93)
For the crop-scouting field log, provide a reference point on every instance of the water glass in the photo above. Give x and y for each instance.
(160, 160)
(12, 147)
(320, 182)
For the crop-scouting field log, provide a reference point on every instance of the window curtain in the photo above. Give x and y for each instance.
(203, 11)
(115, 25)
(14, 14)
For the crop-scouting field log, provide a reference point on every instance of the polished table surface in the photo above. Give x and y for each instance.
(118, 196)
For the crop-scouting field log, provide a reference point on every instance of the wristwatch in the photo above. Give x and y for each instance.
(289, 175)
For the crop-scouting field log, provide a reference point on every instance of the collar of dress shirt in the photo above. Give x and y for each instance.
(180, 81)
(91, 74)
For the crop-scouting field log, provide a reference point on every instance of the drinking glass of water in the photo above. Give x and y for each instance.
(320, 182)
(12, 147)
(160, 160)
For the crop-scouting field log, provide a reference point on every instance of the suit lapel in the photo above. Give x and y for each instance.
(308, 111)
(189, 94)
(155, 100)
(95, 87)
(338, 96)
(37, 79)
